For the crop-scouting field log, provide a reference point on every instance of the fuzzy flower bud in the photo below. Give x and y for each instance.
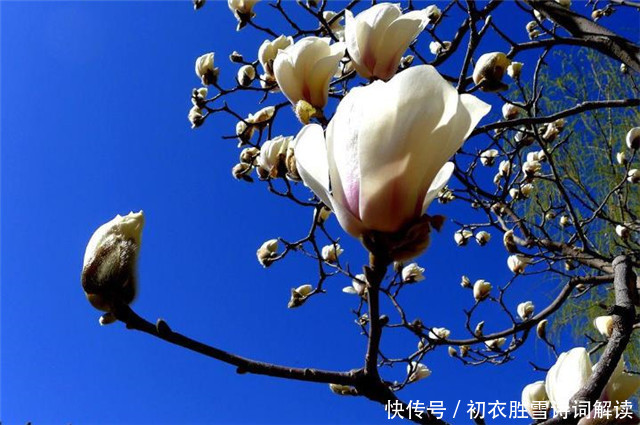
(267, 252)
(604, 325)
(623, 232)
(481, 289)
(489, 71)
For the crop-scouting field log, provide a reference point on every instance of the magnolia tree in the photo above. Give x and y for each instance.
(384, 132)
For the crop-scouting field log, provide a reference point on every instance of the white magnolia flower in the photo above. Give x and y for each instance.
(261, 118)
(358, 285)
(383, 158)
(504, 169)
(378, 37)
(489, 70)
(571, 372)
(526, 189)
(330, 253)
(481, 289)
(517, 263)
(534, 399)
(417, 371)
(488, 157)
(525, 310)
(483, 237)
(633, 176)
(267, 252)
(509, 241)
(109, 268)
(514, 69)
(199, 95)
(604, 325)
(531, 168)
(412, 273)
(622, 231)
(269, 50)
(299, 295)
(246, 75)
(303, 70)
(633, 138)
(272, 155)
(439, 333)
(206, 70)
(242, 10)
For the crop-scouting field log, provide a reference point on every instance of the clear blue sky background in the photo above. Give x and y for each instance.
(94, 103)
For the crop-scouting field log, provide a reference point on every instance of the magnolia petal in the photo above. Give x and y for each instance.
(321, 75)
(566, 377)
(397, 38)
(351, 35)
(621, 385)
(311, 161)
(439, 182)
(286, 77)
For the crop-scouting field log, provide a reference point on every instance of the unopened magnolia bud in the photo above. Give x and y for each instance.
(417, 371)
(341, 389)
(465, 282)
(107, 319)
(531, 25)
(248, 155)
(305, 111)
(358, 286)
(241, 171)
(481, 289)
(246, 75)
(412, 273)
(261, 118)
(478, 331)
(531, 168)
(489, 71)
(597, 14)
(267, 252)
(242, 10)
(199, 96)
(633, 138)
(195, 117)
(197, 4)
(487, 158)
(452, 352)
(464, 350)
(504, 168)
(244, 132)
(482, 238)
(526, 189)
(541, 329)
(509, 241)
(633, 176)
(622, 231)
(236, 57)
(514, 70)
(109, 271)
(206, 70)
(525, 310)
(271, 162)
(330, 253)
(299, 295)
(565, 221)
(495, 344)
(462, 236)
(569, 265)
(523, 137)
(437, 48)
(517, 263)
(433, 13)
(514, 192)
(623, 68)
(510, 111)
(534, 34)
(550, 215)
(439, 333)
(621, 158)
(323, 214)
(604, 325)
(291, 164)
(404, 63)
(446, 195)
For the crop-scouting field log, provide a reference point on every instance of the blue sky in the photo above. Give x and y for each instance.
(94, 103)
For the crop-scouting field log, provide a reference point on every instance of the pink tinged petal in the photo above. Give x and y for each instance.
(287, 77)
(396, 40)
(567, 376)
(439, 182)
(322, 72)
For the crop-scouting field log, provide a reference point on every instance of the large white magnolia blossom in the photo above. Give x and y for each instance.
(303, 70)
(571, 372)
(383, 158)
(377, 38)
